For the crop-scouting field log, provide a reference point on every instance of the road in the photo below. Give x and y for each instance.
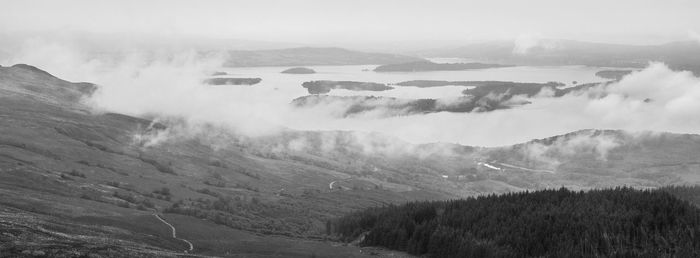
(191, 247)
(330, 186)
(527, 169)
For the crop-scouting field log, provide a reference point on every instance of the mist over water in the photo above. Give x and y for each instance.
(170, 85)
(621, 108)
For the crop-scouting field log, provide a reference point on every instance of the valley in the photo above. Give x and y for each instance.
(90, 179)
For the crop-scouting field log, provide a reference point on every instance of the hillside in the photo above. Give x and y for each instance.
(310, 56)
(72, 176)
(602, 158)
(101, 175)
(620, 222)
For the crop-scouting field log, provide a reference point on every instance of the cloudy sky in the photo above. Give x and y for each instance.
(361, 21)
(170, 85)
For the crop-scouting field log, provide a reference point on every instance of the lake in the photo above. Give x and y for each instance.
(288, 86)
(483, 129)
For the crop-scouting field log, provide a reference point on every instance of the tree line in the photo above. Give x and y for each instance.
(620, 222)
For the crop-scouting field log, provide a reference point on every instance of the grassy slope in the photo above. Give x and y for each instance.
(59, 162)
(62, 164)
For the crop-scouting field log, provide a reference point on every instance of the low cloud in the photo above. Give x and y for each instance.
(694, 35)
(655, 98)
(525, 43)
(549, 155)
(168, 86)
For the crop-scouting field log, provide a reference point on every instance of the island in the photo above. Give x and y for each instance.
(436, 83)
(425, 66)
(506, 90)
(232, 81)
(299, 70)
(390, 107)
(324, 86)
(219, 73)
(487, 96)
(613, 74)
(497, 88)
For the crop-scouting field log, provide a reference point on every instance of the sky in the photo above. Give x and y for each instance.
(170, 85)
(359, 21)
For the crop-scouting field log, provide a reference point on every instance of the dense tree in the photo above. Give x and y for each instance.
(620, 222)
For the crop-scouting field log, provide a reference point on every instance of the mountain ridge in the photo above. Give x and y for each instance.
(305, 56)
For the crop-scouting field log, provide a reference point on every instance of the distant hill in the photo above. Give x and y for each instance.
(299, 70)
(678, 55)
(425, 66)
(620, 222)
(310, 56)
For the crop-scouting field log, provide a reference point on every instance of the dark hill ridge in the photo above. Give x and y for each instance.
(426, 66)
(620, 222)
(29, 80)
(33, 69)
(310, 56)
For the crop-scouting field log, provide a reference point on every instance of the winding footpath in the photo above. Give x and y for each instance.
(191, 247)
(330, 186)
